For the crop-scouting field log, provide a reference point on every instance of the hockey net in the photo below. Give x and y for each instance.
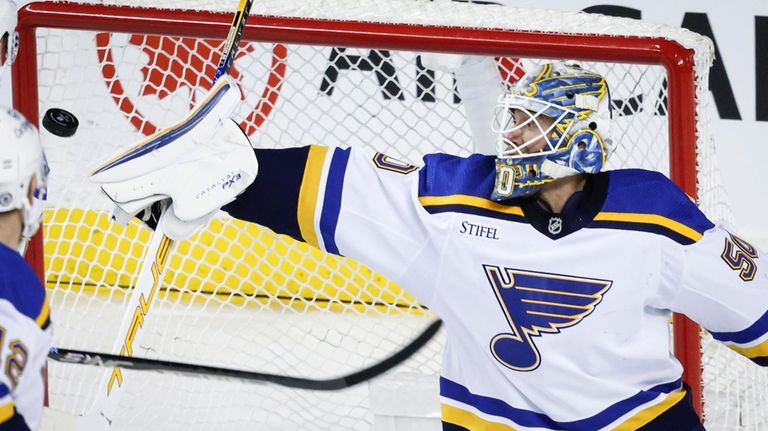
(336, 72)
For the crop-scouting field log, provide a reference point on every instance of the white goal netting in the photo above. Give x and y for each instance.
(343, 73)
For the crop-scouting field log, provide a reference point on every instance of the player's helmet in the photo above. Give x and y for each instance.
(9, 39)
(578, 140)
(21, 159)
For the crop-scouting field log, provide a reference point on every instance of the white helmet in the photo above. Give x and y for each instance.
(578, 140)
(9, 39)
(21, 159)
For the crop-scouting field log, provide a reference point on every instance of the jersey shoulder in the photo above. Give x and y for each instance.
(20, 286)
(463, 185)
(648, 201)
(445, 175)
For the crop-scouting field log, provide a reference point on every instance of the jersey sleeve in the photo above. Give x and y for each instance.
(350, 202)
(705, 272)
(25, 337)
(10, 418)
(721, 282)
(480, 87)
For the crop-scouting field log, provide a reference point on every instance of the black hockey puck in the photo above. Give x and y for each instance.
(60, 122)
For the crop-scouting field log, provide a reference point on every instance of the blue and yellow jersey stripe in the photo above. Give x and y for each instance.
(648, 201)
(7, 407)
(757, 353)
(320, 196)
(471, 205)
(43, 319)
(653, 223)
(7, 411)
(309, 181)
(334, 186)
(749, 342)
(470, 411)
(309, 192)
(462, 185)
(635, 199)
(20, 286)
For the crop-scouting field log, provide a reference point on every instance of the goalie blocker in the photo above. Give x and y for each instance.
(196, 167)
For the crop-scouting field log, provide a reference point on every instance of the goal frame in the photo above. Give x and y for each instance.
(675, 58)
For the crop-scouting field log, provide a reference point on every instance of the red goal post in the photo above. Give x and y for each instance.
(684, 56)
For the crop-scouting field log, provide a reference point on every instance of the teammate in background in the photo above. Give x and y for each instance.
(555, 280)
(9, 41)
(25, 325)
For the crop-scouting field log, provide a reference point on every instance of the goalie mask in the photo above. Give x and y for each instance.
(553, 123)
(21, 159)
(9, 38)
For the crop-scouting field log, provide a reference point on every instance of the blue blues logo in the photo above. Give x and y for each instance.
(536, 303)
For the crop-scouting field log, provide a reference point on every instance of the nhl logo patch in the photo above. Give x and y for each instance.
(555, 225)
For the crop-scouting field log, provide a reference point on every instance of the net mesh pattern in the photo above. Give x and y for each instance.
(237, 295)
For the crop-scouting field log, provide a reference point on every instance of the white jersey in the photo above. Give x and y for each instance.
(25, 339)
(554, 321)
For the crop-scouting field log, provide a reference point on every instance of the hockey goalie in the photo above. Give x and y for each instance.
(555, 279)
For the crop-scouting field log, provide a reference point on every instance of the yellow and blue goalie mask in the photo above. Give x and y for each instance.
(553, 123)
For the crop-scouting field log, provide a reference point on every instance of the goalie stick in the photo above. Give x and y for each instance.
(233, 38)
(159, 249)
(109, 360)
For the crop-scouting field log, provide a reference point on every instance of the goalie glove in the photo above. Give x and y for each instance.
(199, 165)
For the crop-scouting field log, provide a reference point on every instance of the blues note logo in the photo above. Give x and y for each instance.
(537, 303)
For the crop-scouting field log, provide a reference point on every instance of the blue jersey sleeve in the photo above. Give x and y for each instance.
(357, 203)
(20, 286)
(26, 336)
(272, 199)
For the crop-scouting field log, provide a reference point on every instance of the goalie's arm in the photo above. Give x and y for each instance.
(350, 202)
(712, 276)
(722, 284)
(273, 197)
(313, 193)
(480, 87)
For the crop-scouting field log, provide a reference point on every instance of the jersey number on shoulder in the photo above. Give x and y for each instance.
(383, 161)
(16, 358)
(740, 256)
(535, 303)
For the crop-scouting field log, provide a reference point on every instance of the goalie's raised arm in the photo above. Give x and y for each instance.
(480, 87)
(199, 164)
